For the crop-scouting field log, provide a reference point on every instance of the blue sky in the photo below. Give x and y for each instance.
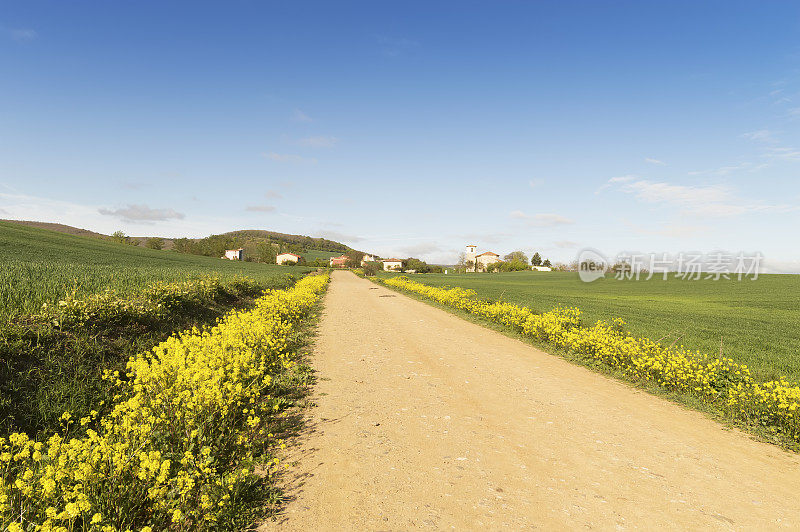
(410, 128)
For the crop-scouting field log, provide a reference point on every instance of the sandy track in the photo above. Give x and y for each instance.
(425, 420)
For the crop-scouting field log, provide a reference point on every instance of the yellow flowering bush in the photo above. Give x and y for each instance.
(716, 380)
(179, 446)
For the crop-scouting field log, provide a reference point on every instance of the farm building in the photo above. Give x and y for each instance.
(338, 262)
(541, 268)
(287, 258)
(234, 254)
(479, 262)
(392, 264)
(367, 258)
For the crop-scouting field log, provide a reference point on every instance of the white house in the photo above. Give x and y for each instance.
(367, 258)
(479, 262)
(287, 258)
(392, 264)
(485, 259)
(234, 254)
(541, 268)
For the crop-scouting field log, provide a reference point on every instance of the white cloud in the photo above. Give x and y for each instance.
(654, 161)
(622, 179)
(618, 179)
(790, 154)
(541, 220)
(300, 116)
(533, 183)
(272, 194)
(23, 34)
(142, 213)
(318, 142)
(260, 208)
(287, 158)
(724, 170)
(708, 200)
(761, 135)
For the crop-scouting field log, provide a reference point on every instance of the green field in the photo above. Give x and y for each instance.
(754, 322)
(41, 266)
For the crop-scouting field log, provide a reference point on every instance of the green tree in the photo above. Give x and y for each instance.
(353, 259)
(516, 255)
(265, 252)
(547, 263)
(419, 266)
(155, 243)
(372, 268)
(119, 237)
(536, 260)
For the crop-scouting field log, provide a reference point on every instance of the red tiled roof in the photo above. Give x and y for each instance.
(292, 254)
(392, 260)
(488, 253)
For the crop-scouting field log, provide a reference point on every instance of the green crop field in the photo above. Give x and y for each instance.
(41, 266)
(754, 322)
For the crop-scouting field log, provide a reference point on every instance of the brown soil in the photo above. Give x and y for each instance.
(425, 420)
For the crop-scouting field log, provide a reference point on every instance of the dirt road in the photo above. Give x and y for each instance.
(425, 420)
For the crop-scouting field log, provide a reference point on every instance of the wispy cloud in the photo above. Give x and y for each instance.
(725, 170)
(22, 34)
(760, 135)
(318, 142)
(288, 158)
(142, 213)
(654, 161)
(772, 149)
(707, 200)
(534, 183)
(613, 180)
(272, 194)
(300, 116)
(260, 208)
(541, 220)
(790, 154)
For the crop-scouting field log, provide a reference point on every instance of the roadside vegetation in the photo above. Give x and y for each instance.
(84, 319)
(178, 447)
(722, 384)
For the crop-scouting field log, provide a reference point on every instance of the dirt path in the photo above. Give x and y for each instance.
(425, 420)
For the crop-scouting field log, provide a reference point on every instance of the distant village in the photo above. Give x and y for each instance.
(470, 261)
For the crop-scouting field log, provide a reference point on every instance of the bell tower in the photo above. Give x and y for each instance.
(470, 254)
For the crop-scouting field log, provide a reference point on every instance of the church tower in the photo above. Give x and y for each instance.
(470, 256)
